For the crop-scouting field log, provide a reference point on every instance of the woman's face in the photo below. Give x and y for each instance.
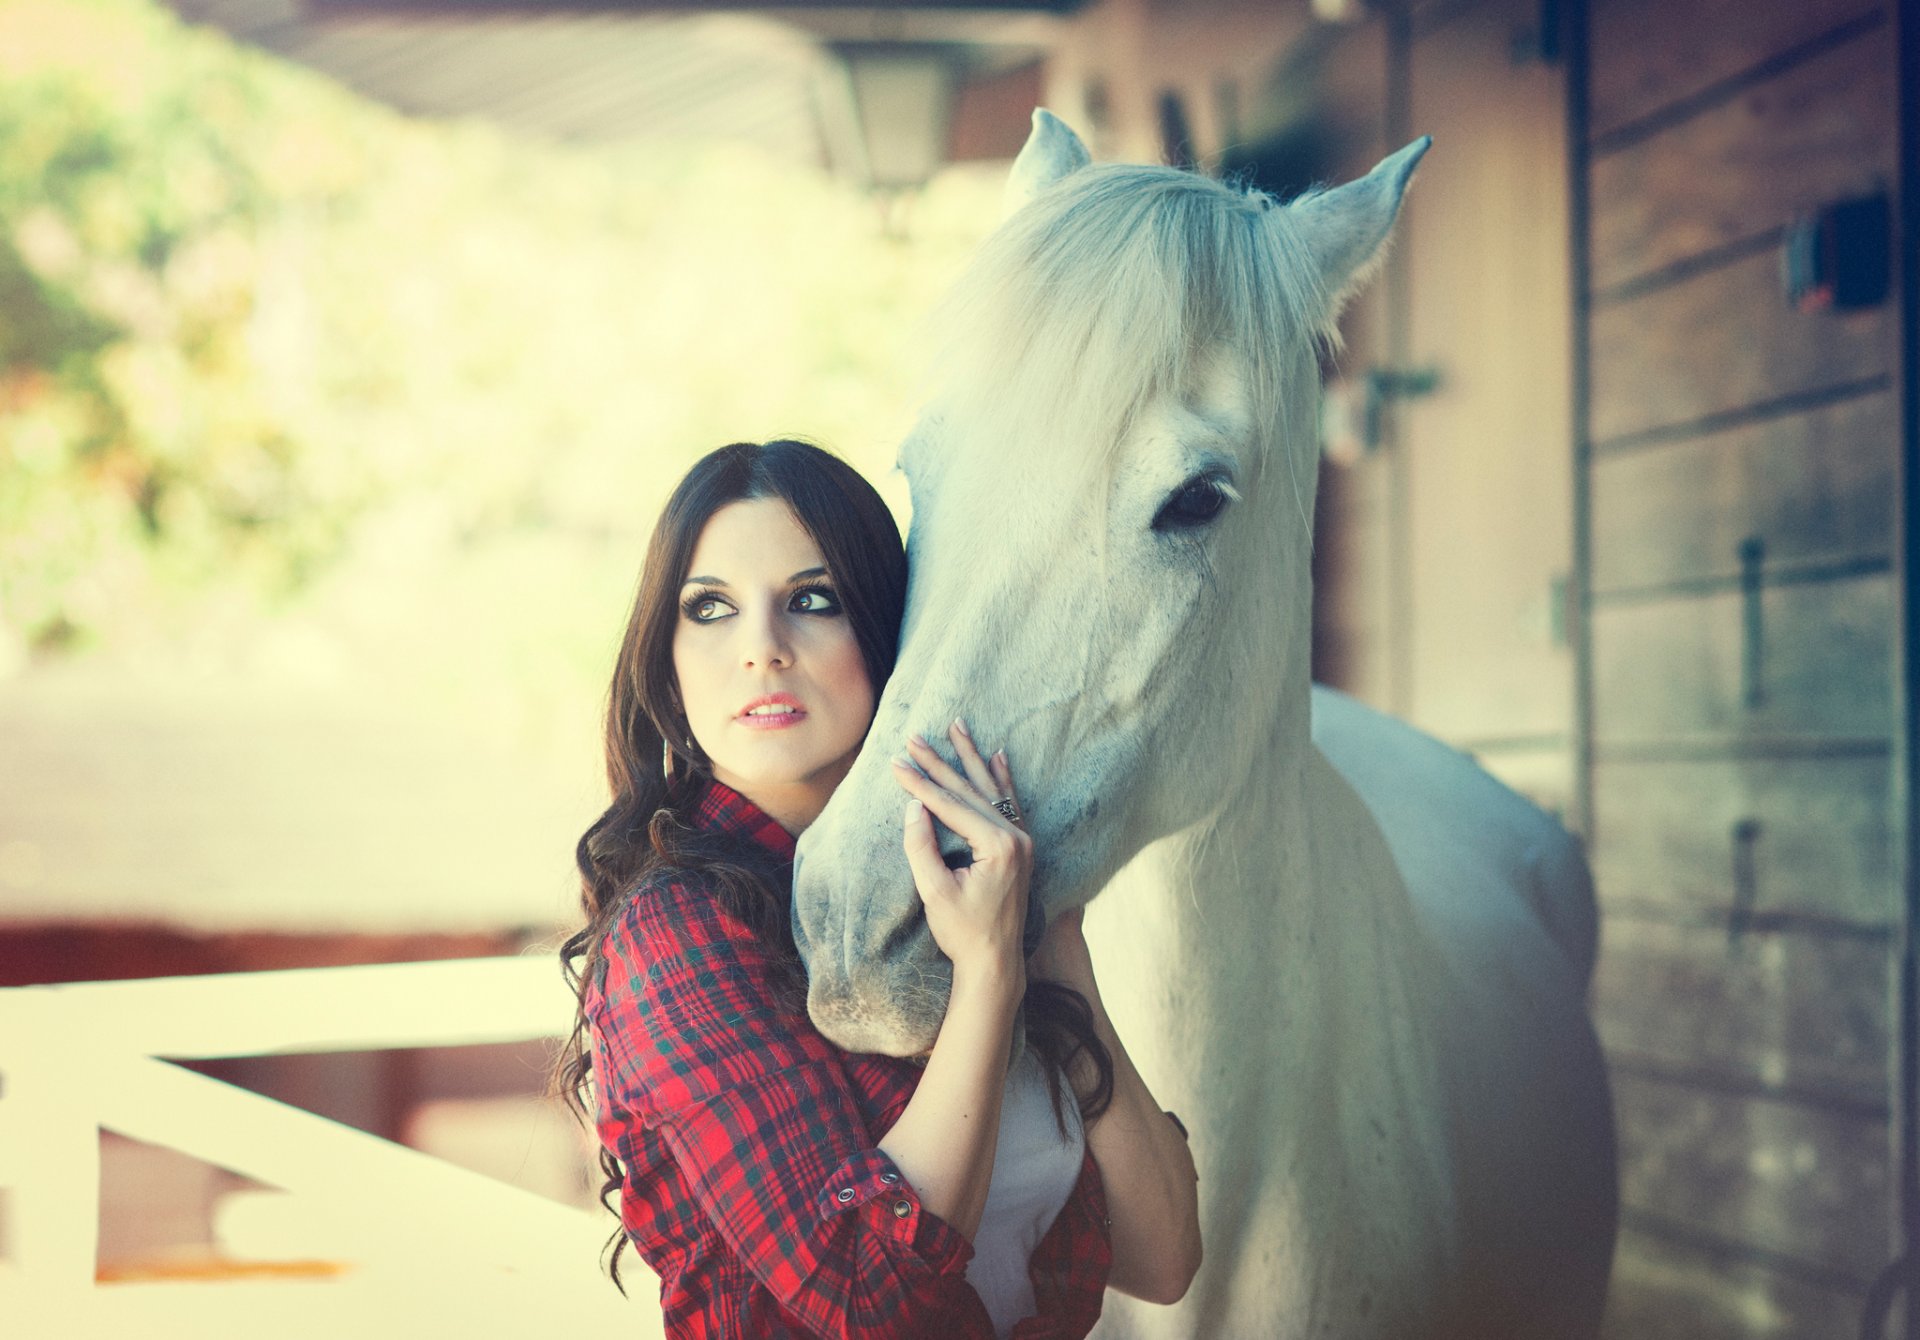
(770, 674)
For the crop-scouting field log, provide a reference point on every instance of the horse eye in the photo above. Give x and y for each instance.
(1193, 504)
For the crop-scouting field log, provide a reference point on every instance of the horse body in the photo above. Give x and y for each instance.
(1471, 1192)
(1353, 963)
(1258, 958)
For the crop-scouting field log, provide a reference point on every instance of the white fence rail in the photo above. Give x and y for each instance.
(433, 1244)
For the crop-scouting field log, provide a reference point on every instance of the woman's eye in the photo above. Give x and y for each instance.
(704, 609)
(1193, 504)
(816, 600)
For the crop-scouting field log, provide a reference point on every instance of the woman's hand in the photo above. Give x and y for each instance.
(945, 1141)
(978, 913)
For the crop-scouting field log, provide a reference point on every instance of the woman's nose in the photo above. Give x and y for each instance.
(765, 642)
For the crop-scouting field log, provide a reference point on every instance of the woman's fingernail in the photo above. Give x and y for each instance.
(913, 810)
(918, 738)
(960, 725)
(1001, 755)
(902, 761)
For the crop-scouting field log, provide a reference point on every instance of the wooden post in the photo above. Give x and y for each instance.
(49, 1156)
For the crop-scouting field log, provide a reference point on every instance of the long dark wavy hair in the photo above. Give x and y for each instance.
(647, 827)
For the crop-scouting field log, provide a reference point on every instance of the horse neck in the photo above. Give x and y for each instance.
(1291, 911)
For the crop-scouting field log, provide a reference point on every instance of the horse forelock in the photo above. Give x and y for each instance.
(1100, 298)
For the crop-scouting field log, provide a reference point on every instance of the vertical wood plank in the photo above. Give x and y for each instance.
(52, 1131)
(1905, 1133)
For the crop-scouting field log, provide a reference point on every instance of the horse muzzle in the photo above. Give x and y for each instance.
(876, 982)
(869, 1013)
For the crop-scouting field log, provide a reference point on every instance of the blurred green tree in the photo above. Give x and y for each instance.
(280, 367)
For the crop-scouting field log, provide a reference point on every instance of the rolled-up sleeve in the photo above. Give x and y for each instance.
(756, 1109)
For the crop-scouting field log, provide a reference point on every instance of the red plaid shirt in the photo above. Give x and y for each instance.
(753, 1185)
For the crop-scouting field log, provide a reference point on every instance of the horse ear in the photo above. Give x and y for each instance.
(1052, 151)
(1345, 229)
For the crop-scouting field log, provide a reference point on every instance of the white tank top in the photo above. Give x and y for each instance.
(1034, 1171)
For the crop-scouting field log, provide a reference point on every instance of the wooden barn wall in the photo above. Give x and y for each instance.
(1635, 549)
(1738, 465)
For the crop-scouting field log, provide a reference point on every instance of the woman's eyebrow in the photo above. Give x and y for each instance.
(799, 576)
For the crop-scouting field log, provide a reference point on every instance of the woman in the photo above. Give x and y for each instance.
(779, 1186)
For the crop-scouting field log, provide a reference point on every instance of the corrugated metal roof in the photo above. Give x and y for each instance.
(597, 72)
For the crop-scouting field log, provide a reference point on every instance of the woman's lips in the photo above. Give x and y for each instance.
(776, 712)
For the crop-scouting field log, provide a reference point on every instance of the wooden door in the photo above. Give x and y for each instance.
(1487, 459)
(1447, 546)
(1737, 470)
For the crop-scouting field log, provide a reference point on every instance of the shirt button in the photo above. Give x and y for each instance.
(844, 1194)
(902, 1208)
(889, 1177)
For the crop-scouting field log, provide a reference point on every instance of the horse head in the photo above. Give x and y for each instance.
(1112, 514)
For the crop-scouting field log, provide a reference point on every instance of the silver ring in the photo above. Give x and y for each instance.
(1007, 808)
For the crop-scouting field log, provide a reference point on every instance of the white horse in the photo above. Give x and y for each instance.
(1353, 962)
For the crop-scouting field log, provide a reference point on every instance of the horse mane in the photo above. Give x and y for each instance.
(1098, 297)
